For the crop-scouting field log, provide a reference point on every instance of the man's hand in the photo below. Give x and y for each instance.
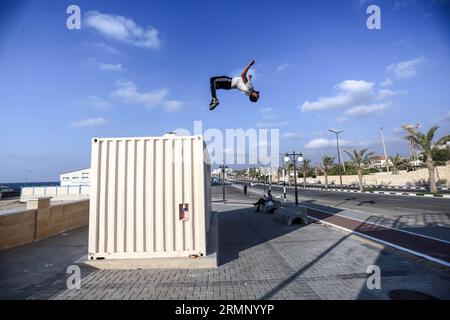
(244, 73)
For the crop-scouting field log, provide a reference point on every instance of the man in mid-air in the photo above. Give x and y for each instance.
(242, 83)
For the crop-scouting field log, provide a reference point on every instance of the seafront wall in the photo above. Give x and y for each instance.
(402, 179)
(41, 220)
(57, 193)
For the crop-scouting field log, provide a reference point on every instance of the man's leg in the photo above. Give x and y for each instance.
(212, 82)
(222, 82)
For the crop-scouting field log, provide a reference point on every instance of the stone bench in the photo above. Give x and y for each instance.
(271, 208)
(292, 216)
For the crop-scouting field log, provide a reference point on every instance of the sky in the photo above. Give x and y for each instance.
(142, 68)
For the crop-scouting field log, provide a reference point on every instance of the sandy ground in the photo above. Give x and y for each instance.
(11, 204)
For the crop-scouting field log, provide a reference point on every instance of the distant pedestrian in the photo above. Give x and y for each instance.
(245, 189)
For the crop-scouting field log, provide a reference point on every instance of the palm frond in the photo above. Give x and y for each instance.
(431, 132)
(442, 141)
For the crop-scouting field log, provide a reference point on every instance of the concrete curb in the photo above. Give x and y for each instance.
(393, 193)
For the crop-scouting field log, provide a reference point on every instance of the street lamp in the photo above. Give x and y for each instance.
(223, 181)
(294, 157)
(384, 148)
(339, 152)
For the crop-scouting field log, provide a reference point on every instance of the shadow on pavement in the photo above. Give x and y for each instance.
(241, 229)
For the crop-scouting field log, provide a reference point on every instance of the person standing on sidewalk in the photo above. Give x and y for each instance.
(245, 189)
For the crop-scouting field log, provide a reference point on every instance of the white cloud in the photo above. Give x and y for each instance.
(386, 83)
(405, 69)
(128, 93)
(322, 143)
(282, 66)
(386, 93)
(110, 67)
(269, 117)
(90, 122)
(117, 67)
(96, 102)
(123, 29)
(267, 114)
(444, 118)
(107, 48)
(291, 136)
(173, 105)
(361, 111)
(272, 124)
(265, 110)
(353, 92)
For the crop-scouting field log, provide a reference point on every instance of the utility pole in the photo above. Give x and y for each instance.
(384, 148)
(223, 181)
(339, 153)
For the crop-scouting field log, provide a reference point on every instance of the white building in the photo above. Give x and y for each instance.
(380, 162)
(75, 178)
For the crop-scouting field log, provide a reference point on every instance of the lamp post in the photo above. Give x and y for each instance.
(223, 181)
(384, 149)
(26, 177)
(339, 152)
(293, 156)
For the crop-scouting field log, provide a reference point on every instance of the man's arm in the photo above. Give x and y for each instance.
(244, 73)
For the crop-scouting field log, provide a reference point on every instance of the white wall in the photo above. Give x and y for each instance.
(76, 178)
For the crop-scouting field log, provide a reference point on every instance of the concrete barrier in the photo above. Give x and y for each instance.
(40, 220)
(57, 193)
(291, 216)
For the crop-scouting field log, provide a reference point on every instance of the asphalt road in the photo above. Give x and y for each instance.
(392, 205)
(425, 216)
(418, 217)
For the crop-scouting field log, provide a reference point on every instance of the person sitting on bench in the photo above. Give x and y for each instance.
(263, 200)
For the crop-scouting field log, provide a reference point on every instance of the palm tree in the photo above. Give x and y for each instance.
(424, 143)
(360, 159)
(327, 164)
(304, 169)
(397, 161)
(289, 167)
(279, 173)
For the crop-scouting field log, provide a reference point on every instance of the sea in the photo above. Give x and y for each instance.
(19, 185)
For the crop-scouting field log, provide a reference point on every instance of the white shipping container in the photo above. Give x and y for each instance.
(150, 197)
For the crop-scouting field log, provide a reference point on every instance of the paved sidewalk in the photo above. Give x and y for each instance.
(259, 258)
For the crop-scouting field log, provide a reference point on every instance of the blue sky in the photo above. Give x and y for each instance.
(142, 68)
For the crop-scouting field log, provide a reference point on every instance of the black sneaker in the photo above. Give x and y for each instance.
(214, 103)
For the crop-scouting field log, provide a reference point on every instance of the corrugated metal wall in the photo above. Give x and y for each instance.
(138, 185)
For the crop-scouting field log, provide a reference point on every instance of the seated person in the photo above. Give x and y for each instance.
(263, 200)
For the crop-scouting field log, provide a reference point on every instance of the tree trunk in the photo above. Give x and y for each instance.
(431, 175)
(304, 179)
(360, 177)
(326, 180)
(289, 177)
(394, 170)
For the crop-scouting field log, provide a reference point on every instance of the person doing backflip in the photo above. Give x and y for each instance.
(242, 83)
